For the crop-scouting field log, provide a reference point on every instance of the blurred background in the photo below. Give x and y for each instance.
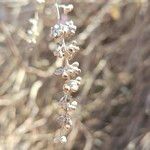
(114, 98)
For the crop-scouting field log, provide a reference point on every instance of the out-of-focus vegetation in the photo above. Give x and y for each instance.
(114, 99)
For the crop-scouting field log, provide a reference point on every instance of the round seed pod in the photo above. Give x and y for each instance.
(74, 88)
(65, 75)
(68, 8)
(75, 64)
(66, 88)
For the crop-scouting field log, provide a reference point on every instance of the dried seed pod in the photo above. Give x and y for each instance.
(72, 106)
(75, 64)
(60, 139)
(70, 50)
(59, 71)
(71, 28)
(67, 8)
(57, 32)
(70, 71)
(65, 75)
(74, 103)
(66, 88)
(66, 51)
(58, 52)
(65, 121)
(68, 123)
(63, 139)
(68, 106)
(72, 85)
(60, 31)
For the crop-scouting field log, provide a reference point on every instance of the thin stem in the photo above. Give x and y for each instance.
(66, 61)
(58, 19)
(58, 12)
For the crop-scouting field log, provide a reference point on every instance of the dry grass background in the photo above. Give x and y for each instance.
(114, 98)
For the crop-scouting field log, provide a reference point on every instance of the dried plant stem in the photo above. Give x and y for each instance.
(60, 32)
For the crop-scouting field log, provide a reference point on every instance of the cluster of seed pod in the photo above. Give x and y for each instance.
(69, 72)
(66, 104)
(72, 85)
(60, 31)
(66, 51)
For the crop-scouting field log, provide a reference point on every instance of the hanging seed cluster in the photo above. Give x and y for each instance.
(69, 72)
